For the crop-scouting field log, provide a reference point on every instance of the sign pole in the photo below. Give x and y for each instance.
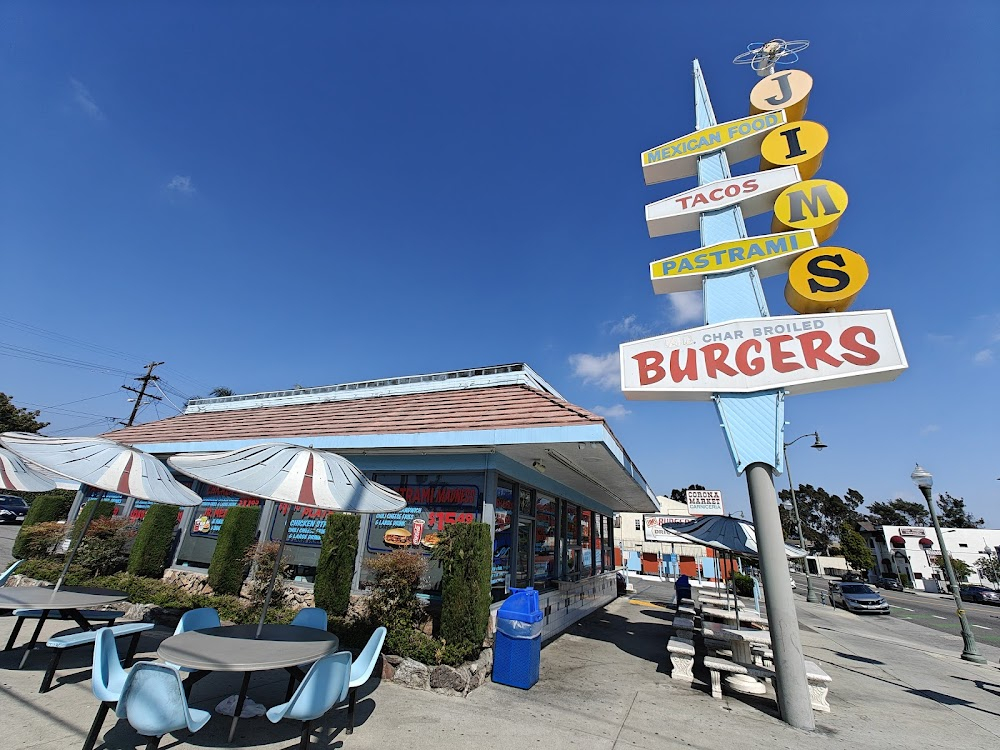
(754, 427)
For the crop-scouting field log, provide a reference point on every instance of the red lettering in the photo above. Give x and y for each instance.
(690, 369)
(683, 201)
(699, 198)
(715, 360)
(716, 195)
(814, 346)
(861, 354)
(779, 357)
(732, 191)
(650, 367)
(750, 186)
(748, 367)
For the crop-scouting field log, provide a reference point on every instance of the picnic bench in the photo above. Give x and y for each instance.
(100, 616)
(681, 652)
(63, 642)
(819, 681)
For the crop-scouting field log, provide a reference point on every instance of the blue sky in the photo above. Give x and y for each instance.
(265, 195)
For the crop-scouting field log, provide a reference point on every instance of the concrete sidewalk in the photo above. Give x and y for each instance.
(604, 684)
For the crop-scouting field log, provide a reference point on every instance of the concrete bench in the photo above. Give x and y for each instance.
(107, 617)
(684, 627)
(819, 681)
(681, 653)
(61, 643)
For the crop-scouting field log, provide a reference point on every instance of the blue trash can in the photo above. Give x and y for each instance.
(518, 651)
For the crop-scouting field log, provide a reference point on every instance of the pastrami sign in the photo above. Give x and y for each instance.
(754, 192)
(797, 353)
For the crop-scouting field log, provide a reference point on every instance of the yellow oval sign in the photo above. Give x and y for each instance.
(826, 279)
(801, 143)
(786, 89)
(811, 204)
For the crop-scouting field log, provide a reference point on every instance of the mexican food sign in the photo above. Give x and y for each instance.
(796, 353)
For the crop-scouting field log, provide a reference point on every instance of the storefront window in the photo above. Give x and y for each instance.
(600, 527)
(546, 534)
(586, 543)
(571, 540)
(433, 501)
(504, 514)
(526, 503)
(198, 542)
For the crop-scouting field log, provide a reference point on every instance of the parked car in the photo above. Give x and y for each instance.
(980, 594)
(793, 582)
(12, 509)
(892, 584)
(858, 598)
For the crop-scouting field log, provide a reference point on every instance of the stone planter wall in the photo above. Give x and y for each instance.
(195, 582)
(444, 680)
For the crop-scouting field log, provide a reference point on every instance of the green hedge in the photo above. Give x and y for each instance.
(335, 569)
(466, 555)
(44, 508)
(156, 532)
(227, 571)
(105, 509)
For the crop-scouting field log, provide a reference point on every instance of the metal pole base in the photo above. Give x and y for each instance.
(811, 594)
(974, 658)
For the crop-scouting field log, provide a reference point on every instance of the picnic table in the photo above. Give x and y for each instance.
(741, 641)
(233, 648)
(745, 616)
(70, 603)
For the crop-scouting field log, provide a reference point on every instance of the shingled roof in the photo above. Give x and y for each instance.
(489, 408)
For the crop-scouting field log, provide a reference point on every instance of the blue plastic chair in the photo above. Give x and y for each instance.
(323, 687)
(107, 681)
(361, 670)
(9, 572)
(311, 617)
(153, 702)
(195, 619)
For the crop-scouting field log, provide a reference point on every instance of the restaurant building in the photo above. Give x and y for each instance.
(495, 444)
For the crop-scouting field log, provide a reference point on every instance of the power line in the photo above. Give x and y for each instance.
(179, 410)
(145, 380)
(20, 352)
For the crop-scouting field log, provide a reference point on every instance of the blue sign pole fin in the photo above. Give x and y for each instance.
(753, 423)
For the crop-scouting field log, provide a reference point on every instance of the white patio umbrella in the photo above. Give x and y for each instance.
(15, 475)
(731, 536)
(290, 474)
(103, 464)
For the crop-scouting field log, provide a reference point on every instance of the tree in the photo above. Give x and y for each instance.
(989, 566)
(962, 569)
(221, 391)
(952, 513)
(822, 514)
(899, 512)
(15, 419)
(854, 549)
(678, 496)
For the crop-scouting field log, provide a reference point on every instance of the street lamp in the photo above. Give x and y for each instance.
(811, 595)
(923, 479)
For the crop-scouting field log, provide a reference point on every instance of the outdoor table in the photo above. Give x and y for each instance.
(741, 640)
(68, 601)
(233, 648)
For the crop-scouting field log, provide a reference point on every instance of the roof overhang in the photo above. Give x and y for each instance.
(585, 458)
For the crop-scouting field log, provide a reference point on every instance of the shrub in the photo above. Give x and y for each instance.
(226, 571)
(152, 542)
(260, 558)
(905, 580)
(105, 509)
(37, 540)
(44, 508)
(335, 569)
(744, 584)
(105, 548)
(393, 601)
(466, 554)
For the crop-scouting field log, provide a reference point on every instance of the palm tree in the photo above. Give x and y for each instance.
(221, 391)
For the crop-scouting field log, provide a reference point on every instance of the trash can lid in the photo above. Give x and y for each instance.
(521, 605)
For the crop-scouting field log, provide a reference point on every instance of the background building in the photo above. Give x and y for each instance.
(909, 551)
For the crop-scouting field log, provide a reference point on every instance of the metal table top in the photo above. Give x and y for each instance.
(69, 597)
(233, 648)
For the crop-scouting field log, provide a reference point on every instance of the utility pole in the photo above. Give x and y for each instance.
(141, 393)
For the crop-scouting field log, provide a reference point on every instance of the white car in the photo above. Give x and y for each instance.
(792, 580)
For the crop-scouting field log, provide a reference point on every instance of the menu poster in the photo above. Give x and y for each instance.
(212, 511)
(503, 509)
(93, 493)
(307, 528)
(139, 507)
(418, 526)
